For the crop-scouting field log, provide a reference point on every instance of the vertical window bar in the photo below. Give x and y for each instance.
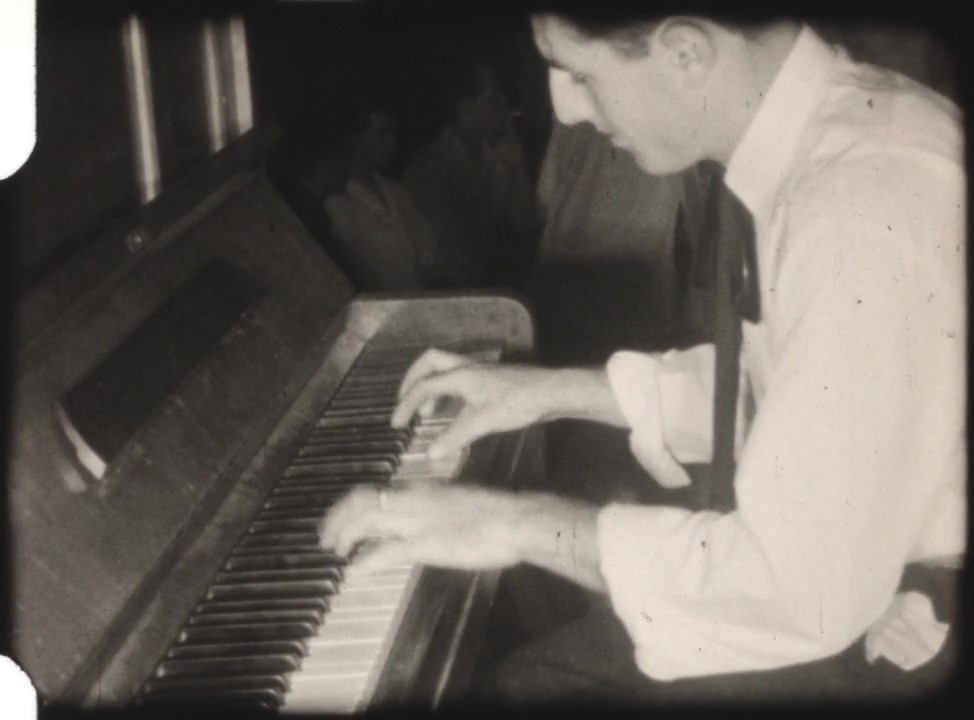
(138, 80)
(213, 87)
(241, 109)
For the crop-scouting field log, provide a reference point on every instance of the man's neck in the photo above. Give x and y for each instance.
(758, 66)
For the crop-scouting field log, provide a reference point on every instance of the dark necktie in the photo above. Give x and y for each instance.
(723, 288)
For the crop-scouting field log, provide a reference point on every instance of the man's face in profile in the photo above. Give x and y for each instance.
(634, 98)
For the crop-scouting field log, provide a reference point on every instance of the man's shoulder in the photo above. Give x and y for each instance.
(879, 117)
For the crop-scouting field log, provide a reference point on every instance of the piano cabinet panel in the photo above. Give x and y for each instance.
(83, 562)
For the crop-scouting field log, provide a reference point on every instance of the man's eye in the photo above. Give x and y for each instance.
(578, 78)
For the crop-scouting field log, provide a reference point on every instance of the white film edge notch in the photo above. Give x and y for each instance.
(18, 124)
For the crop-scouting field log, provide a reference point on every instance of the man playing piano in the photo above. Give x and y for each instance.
(822, 578)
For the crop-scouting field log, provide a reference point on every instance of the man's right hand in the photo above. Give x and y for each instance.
(495, 397)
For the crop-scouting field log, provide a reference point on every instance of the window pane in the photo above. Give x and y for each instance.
(82, 170)
(177, 89)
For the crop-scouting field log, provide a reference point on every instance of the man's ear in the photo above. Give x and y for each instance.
(689, 49)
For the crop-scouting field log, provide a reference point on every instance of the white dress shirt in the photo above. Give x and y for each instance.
(854, 462)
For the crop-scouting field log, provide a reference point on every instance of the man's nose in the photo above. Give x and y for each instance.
(571, 101)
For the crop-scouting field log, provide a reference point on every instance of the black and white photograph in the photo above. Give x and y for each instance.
(405, 357)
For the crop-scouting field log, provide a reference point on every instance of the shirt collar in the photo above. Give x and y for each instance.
(762, 157)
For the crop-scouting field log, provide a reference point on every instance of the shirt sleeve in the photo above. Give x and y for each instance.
(667, 401)
(850, 448)
(639, 383)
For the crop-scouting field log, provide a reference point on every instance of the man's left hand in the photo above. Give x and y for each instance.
(457, 527)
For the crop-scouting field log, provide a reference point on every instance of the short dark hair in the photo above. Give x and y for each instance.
(626, 24)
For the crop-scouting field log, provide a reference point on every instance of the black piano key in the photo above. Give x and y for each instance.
(261, 604)
(284, 548)
(223, 666)
(400, 355)
(254, 591)
(349, 435)
(278, 575)
(364, 398)
(319, 498)
(380, 463)
(341, 451)
(361, 402)
(263, 527)
(279, 539)
(204, 634)
(356, 379)
(274, 561)
(312, 484)
(338, 467)
(305, 513)
(295, 648)
(356, 397)
(365, 419)
(363, 409)
(263, 616)
(350, 427)
(374, 372)
(367, 432)
(310, 488)
(232, 682)
(330, 480)
(375, 359)
(380, 356)
(340, 447)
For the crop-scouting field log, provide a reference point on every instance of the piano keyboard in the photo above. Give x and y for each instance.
(280, 627)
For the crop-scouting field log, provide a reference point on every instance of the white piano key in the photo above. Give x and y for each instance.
(340, 631)
(366, 598)
(334, 657)
(361, 613)
(339, 660)
(328, 695)
(345, 659)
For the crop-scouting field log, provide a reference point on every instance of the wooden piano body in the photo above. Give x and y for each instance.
(104, 571)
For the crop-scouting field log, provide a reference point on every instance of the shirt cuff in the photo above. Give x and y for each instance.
(634, 379)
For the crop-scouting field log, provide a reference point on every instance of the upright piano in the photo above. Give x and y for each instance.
(193, 390)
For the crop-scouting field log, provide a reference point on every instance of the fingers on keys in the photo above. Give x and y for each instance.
(469, 425)
(352, 519)
(424, 391)
(388, 553)
(431, 362)
(425, 382)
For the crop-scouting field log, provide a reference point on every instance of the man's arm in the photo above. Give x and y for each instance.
(501, 397)
(468, 528)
